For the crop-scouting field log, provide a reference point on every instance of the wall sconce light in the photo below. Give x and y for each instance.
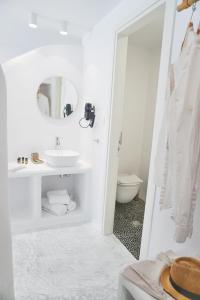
(33, 20)
(63, 28)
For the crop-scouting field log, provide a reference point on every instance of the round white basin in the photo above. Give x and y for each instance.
(61, 158)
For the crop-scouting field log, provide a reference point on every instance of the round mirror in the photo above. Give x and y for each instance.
(57, 98)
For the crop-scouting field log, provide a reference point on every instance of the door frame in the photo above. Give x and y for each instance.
(109, 203)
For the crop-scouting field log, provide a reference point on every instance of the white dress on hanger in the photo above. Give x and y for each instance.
(178, 157)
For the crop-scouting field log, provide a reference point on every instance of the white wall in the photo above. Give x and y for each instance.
(99, 50)
(137, 76)
(139, 109)
(6, 276)
(149, 118)
(28, 130)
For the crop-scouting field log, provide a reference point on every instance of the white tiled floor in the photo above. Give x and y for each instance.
(68, 264)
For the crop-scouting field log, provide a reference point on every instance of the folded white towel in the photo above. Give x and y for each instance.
(58, 199)
(71, 206)
(57, 192)
(13, 167)
(55, 209)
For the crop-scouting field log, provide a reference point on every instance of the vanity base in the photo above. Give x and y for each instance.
(27, 188)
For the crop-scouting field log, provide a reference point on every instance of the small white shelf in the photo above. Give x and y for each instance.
(27, 186)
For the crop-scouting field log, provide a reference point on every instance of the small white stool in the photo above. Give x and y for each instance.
(129, 291)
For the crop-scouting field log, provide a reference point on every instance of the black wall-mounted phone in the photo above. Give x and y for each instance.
(89, 115)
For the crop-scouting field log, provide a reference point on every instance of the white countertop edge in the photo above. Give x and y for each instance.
(44, 169)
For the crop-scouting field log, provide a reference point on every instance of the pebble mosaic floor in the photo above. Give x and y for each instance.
(128, 224)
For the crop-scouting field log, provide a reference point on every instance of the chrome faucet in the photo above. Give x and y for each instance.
(58, 142)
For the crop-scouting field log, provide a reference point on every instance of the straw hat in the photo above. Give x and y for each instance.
(182, 279)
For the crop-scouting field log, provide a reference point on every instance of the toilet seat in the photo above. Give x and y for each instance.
(128, 179)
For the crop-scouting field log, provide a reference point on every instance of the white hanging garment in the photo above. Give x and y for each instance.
(178, 157)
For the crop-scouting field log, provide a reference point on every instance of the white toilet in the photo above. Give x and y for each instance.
(128, 187)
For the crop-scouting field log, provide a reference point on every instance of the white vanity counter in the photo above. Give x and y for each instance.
(44, 170)
(29, 185)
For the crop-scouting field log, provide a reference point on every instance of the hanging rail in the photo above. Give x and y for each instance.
(186, 4)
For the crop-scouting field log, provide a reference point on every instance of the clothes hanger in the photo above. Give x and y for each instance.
(186, 4)
(190, 25)
(183, 5)
(194, 8)
(191, 2)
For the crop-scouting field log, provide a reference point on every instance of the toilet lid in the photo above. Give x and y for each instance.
(128, 179)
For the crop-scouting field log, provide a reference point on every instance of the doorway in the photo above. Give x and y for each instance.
(135, 90)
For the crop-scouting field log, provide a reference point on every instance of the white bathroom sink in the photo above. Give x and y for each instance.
(61, 158)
